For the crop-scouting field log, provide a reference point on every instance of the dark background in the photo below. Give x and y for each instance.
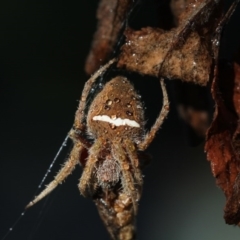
(43, 46)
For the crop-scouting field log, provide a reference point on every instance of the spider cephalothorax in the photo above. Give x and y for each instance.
(111, 173)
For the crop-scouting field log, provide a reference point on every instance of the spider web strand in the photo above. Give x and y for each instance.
(39, 186)
(64, 144)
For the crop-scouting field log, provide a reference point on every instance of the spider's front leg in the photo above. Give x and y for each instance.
(67, 169)
(161, 117)
(77, 135)
(79, 127)
(79, 116)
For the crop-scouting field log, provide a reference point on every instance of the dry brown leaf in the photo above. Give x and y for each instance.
(185, 52)
(223, 139)
(178, 7)
(111, 15)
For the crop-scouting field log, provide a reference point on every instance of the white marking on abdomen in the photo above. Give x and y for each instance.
(116, 121)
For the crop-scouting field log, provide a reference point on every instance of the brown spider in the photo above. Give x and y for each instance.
(111, 174)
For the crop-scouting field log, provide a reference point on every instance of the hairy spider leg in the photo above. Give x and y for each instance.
(67, 169)
(79, 142)
(78, 122)
(86, 185)
(161, 117)
(76, 136)
(79, 127)
(133, 156)
(128, 184)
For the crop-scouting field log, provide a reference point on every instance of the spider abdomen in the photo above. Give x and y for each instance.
(116, 111)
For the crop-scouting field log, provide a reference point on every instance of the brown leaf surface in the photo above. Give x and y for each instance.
(111, 15)
(223, 138)
(177, 9)
(185, 52)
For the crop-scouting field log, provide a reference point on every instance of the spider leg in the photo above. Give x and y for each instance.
(67, 169)
(77, 137)
(79, 127)
(87, 87)
(86, 185)
(163, 114)
(133, 156)
(127, 178)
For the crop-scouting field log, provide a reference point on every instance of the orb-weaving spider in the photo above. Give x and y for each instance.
(111, 174)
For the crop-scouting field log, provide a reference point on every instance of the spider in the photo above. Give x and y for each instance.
(112, 172)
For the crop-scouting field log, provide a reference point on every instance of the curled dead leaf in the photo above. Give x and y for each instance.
(185, 52)
(223, 138)
(111, 15)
